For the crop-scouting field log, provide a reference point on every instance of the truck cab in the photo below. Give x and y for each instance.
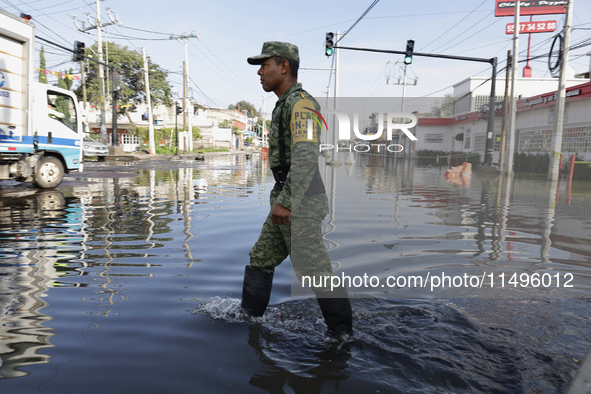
(40, 125)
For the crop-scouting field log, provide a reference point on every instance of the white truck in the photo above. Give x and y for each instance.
(41, 129)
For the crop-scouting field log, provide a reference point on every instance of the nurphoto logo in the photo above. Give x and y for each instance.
(394, 121)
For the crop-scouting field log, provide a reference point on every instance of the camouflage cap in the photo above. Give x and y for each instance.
(276, 48)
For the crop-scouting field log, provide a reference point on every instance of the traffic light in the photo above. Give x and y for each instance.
(179, 110)
(410, 46)
(78, 51)
(328, 44)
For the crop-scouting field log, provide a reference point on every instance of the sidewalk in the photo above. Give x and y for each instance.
(137, 156)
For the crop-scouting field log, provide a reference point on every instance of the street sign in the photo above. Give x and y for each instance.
(532, 27)
(537, 7)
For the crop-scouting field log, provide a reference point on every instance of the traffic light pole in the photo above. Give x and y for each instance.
(491, 106)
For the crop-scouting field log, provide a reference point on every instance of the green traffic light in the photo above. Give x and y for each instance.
(329, 51)
(408, 60)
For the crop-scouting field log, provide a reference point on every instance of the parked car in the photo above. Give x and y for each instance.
(95, 149)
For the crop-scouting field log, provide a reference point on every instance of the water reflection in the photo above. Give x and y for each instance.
(98, 281)
(501, 226)
(40, 246)
(324, 367)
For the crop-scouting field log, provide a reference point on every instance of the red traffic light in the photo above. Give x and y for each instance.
(26, 17)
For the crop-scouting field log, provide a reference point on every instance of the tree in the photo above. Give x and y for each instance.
(226, 124)
(244, 105)
(62, 104)
(42, 76)
(446, 109)
(130, 74)
(258, 125)
(68, 81)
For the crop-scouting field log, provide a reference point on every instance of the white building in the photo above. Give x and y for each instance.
(534, 121)
(208, 120)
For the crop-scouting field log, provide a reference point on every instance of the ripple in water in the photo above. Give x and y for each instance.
(398, 346)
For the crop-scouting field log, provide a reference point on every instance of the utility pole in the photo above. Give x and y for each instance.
(336, 94)
(264, 123)
(513, 109)
(187, 118)
(99, 43)
(101, 72)
(83, 76)
(556, 146)
(403, 87)
(185, 107)
(149, 104)
(505, 110)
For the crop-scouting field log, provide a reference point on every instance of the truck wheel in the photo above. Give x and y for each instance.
(49, 172)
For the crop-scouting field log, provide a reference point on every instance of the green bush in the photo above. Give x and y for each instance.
(531, 162)
(582, 170)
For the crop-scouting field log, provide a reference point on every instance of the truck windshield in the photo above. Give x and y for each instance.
(62, 109)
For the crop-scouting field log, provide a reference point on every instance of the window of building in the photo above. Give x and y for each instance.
(130, 139)
(577, 139)
(535, 141)
(479, 142)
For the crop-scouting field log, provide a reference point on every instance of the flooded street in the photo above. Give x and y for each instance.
(128, 278)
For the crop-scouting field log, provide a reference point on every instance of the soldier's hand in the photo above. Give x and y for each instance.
(280, 215)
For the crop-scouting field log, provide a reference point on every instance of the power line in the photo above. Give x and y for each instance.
(146, 31)
(357, 21)
(475, 24)
(212, 101)
(460, 21)
(240, 86)
(229, 69)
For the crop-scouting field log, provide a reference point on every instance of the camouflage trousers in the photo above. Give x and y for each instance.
(301, 239)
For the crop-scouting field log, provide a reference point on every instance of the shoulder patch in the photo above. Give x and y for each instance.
(305, 124)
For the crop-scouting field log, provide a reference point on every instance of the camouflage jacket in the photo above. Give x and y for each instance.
(301, 153)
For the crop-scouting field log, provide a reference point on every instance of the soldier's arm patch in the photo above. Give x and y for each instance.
(304, 122)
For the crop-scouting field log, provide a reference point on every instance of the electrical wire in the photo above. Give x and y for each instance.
(460, 21)
(222, 63)
(465, 31)
(212, 101)
(34, 12)
(380, 76)
(122, 36)
(146, 31)
(358, 20)
(240, 85)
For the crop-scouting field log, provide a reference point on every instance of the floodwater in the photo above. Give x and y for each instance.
(129, 279)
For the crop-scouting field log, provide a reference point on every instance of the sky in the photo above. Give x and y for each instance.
(230, 31)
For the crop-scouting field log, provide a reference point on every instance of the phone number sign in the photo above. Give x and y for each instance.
(532, 27)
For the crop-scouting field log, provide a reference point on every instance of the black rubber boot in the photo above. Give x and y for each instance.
(336, 311)
(256, 291)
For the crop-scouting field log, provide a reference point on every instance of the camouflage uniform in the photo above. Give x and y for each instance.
(293, 150)
(302, 193)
